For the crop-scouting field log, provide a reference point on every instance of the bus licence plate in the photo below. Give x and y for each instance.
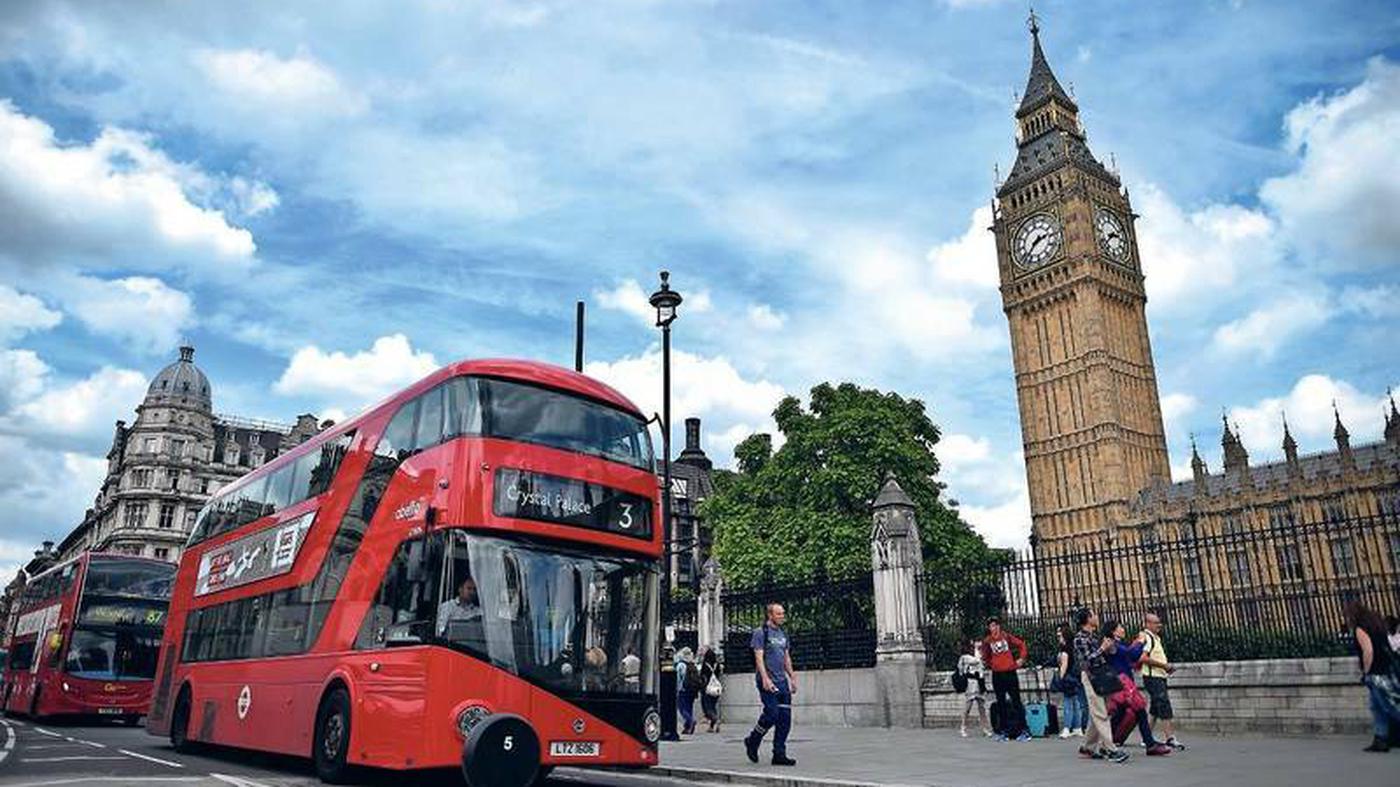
(574, 748)
(109, 711)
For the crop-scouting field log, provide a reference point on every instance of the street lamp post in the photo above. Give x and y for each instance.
(665, 301)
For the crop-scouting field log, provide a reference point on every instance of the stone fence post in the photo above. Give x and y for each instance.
(709, 618)
(896, 561)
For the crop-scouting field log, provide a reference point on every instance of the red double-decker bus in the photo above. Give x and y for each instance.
(86, 639)
(464, 574)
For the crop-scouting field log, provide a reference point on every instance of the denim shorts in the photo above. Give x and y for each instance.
(1161, 704)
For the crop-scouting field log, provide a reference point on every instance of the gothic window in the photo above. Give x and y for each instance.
(1394, 539)
(135, 514)
(1280, 517)
(1389, 505)
(1239, 568)
(167, 515)
(1290, 566)
(1187, 530)
(1334, 511)
(1191, 571)
(1343, 556)
(1154, 578)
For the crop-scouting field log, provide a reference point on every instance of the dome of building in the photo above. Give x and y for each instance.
(181, 383)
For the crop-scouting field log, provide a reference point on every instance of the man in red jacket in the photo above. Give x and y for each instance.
(997, 654)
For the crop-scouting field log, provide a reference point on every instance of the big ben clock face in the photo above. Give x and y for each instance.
(1037, 241)
(1112, 239)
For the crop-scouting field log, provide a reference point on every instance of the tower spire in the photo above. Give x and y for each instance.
(1290, 446)
(1042, 85)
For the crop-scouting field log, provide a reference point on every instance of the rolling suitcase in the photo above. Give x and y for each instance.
(1042, 718)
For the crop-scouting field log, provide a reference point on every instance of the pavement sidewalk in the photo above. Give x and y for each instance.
(831, 756)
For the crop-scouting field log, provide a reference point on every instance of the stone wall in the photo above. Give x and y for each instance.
(1284, 696)
(837, 697)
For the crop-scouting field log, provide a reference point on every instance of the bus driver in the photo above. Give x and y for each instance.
(464, 607)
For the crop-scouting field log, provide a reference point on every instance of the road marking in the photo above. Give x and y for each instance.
(93, 744)
(116, 779)
(150, 758)
(69, 758)
(237, 781)
(49, 733)
(9, 740)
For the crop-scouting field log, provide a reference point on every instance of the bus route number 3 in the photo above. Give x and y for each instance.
(625, 520)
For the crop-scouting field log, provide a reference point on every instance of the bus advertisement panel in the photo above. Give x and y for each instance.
(464, 575)
(87, 636)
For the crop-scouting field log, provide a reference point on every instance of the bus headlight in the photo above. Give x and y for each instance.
(66, 687)
(651, 726)
(470, 717)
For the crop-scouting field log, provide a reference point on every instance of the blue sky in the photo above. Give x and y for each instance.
(330, 200)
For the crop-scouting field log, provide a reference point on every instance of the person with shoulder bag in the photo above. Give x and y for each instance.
(967, 681)
(1068, 683)
(710, 674)
(1100, 680)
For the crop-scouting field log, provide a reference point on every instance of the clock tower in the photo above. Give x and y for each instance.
(1072, 289)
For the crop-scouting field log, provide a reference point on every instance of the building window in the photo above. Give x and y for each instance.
(256, 457)
(162, 553)
(174, 481)
(1343, 556)
(1191, 569)
(1280, 517)
(1154, 577)
(177, 448)
(231, 455)
(150, 445)
(167, 515)
(204, 486)
(189, 520)
(1239, 568)
(1290, 567)
(135, 514)
(1334, 511)
(255, 438)
(141, 478)
(1394, 550)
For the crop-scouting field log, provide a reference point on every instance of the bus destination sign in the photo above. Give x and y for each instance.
(569, 501)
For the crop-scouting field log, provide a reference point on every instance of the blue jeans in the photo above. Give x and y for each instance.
(685, 702)
(1076, 714)
(777, 716)
(1383, 710)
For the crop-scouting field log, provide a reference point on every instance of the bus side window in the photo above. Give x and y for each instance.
(463, 415)
(430, 424)
(397, 441)
(403, 609)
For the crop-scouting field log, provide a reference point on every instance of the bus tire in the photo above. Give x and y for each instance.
(501, 751)
(180, 721)
(331, 745)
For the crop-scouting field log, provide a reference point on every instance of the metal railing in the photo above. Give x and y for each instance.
(830, 622)
(1249, 593)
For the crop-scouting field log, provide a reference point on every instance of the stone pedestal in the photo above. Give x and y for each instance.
(896, 560)
(710, 611)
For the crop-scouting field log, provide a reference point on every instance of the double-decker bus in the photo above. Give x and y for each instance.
(466, 574)
(87, 636)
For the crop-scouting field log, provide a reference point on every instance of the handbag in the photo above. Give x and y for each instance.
(1104, 679)
(715, 687)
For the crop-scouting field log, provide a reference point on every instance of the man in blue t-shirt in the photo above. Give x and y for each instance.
(773, 674)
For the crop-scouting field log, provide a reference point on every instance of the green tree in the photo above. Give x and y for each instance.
(790, 514)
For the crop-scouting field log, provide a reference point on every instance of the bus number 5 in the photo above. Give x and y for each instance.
(626, 521)
(508, 743)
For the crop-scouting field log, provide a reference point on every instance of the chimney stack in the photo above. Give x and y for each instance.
(693, 454)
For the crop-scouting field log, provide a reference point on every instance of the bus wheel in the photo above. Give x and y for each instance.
(501, 751)
(180, 721)
(332, 743)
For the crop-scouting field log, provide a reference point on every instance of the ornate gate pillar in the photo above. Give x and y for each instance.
(710, 613)
(896, 560)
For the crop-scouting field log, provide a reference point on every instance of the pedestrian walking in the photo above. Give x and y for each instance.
(1067, 682)
(1377, 671)
(1155, 669)
(997, 655)
(1091, 662)
(710, 677)
(776, 685)
(687, 688)
(1392, 625)
(968, 680)
(1127, 707)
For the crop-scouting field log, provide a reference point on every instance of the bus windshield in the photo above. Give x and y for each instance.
(572, 622)
(113, 653)
(129, 578)
(515, 411)
(119, 623)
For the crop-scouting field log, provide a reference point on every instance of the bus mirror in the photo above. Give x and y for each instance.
(401, 635)
(55, 640)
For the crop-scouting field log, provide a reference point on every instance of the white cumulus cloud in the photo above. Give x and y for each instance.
(1308, 405)
(142, 311)
(296, 84)
(21, 314)
(1263, 331)
(355, 380)
(77, 414)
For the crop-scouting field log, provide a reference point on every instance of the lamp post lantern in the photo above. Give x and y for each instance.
(665, 300)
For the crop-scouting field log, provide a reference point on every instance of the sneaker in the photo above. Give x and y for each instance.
(1159, 750)
(1023, 737)
(751, 748)
(987, 733)
(1000, 736)
(1176, 744)
(1065, 733)
(963, 732)
(1079, 733)
(1113, 755)
(783, 759)
(1089, 754)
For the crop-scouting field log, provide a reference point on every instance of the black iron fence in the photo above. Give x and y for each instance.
(1235, 593)
(830, 623)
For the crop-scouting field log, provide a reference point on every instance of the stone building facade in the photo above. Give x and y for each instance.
(691, 483)
(1096, 458)
(164, 465)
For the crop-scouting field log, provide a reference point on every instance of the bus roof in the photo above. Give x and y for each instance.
(546, 374)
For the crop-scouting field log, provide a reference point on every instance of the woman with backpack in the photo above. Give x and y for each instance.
(1379, 671)
(688, 686)
(1068, 683)
(710, 678)
(967, 681)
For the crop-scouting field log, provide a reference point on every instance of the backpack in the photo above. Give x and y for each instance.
(691, 681)
(959, 681)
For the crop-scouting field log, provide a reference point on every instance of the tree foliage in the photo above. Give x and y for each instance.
(804, 510)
